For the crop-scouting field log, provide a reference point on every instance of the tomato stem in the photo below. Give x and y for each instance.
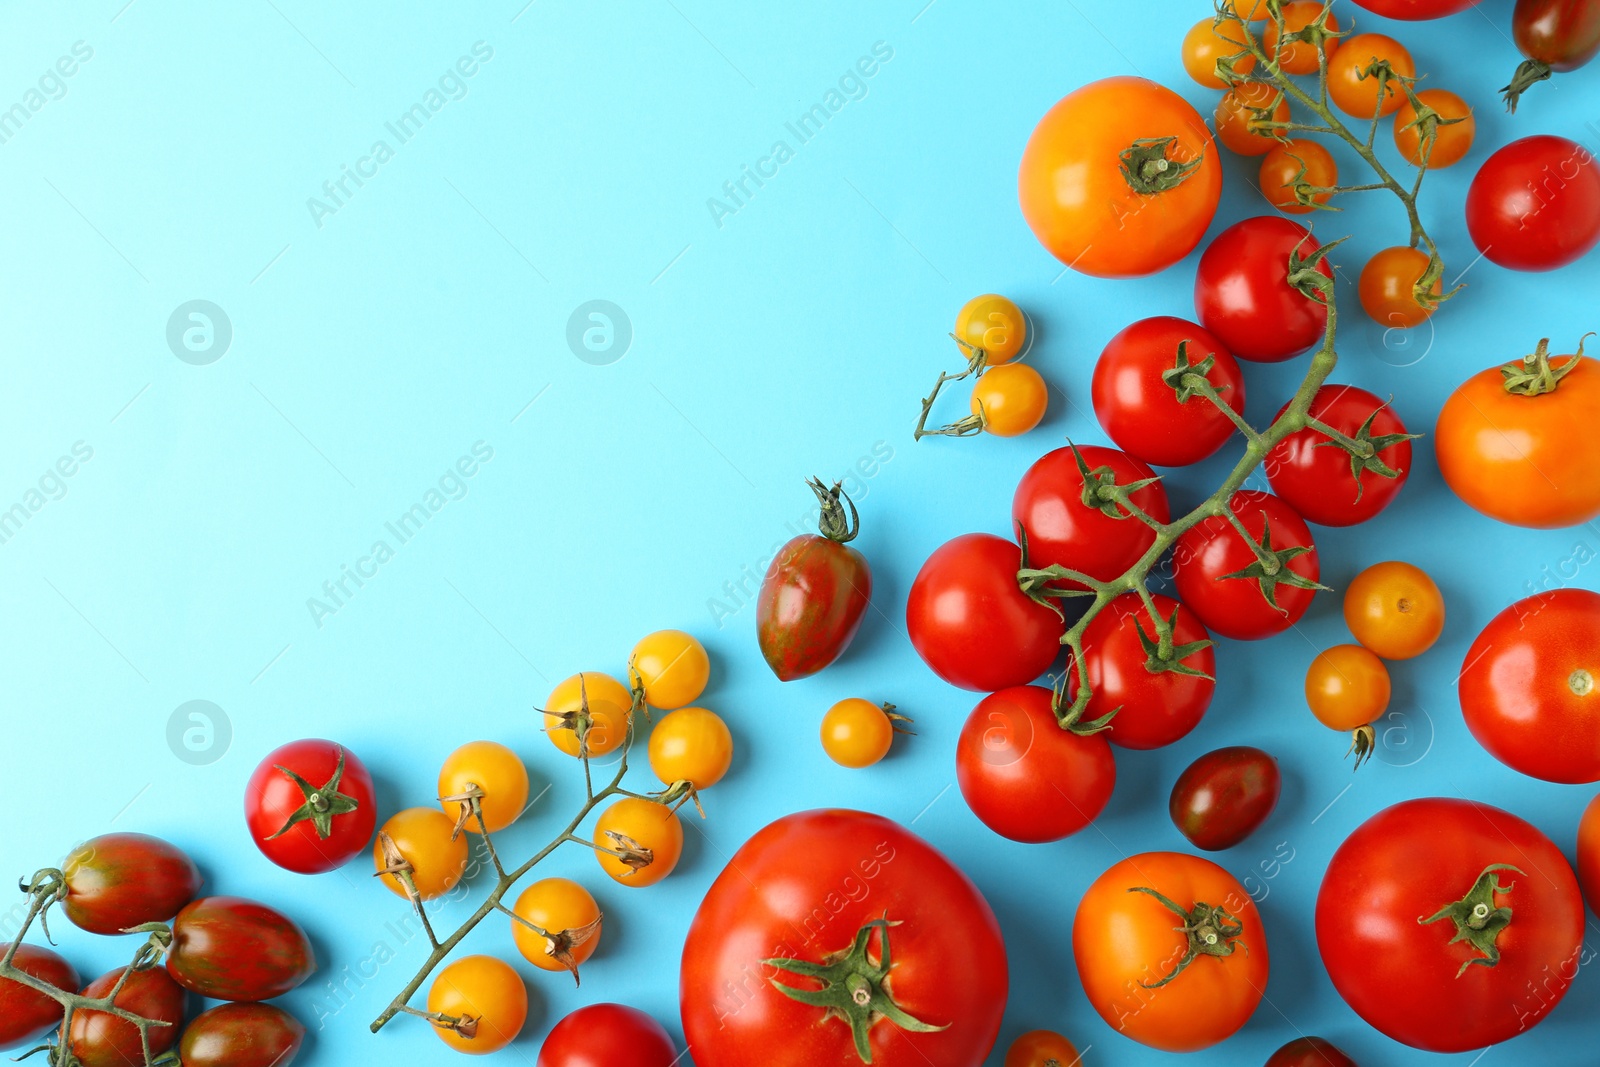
(1530, 72)
(977, 363)
(1210, 930)
(1478, 919)
(1533, 374)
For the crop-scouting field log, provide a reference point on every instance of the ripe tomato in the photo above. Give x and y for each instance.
(1347, 688)
(242, 1035)
(1010, 400)
(1066, 510)
(1299, 57)
(489, 768)
(1145, 407)
(610, 706)
(1521, 444)
(825, 898)
(691, 745)
(1555, 35)
(26, 1014)
(1394, 609)
(1535, 204)
(1406, 944)
(971, 622)
(1042, 1048)
(229, 948)
(1212, 39)
(642, 839)
(1156, 696)
(1224, 796)
(1287, 164)
(310, 807)
(1388, 287)
(1239, 127)
(858, 733)
(1413, 10)
(1450, 142)
(115, 882)
(816, 592)
(1170, 982)
(669, 669)
(1310, 1052)
(1120, 178)
(1243, 296)
(607, 1035)
(1589, 853)
(993, 325)
(485, 1001)
(1528, 686)
(1225, 581)
(1023, 775)
(1323, 481)
(98, 1039)
(569, 918)
(1354, 91)
(423, 842)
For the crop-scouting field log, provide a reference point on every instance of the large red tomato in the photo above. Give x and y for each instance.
(1530, 686)
(1449, 925)
(1066, 510)
(1330, 485)
(1535, 204)
(1247, 592)
(1158, 694)
(1242, 292)
(971, 622)
(838, 937)
(309, 806)
(1147, 408)
(26, 1014)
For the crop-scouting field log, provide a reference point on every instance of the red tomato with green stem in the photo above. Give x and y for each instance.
(309, 806)
(1556, 36)
(839, 937)
(816, 592)
(1243, 293)
(242, 1035)
(99, 1039)
(1348, 476)
(1158, 688)
(1066, 510)
(115, 882)
(608, 1035)
(229, 948)
(1248, 589)
(1224, 796)
(1145, 405)
(27, 1014)
(1535, 204)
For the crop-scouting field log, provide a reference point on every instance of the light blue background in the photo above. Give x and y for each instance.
(429, 312)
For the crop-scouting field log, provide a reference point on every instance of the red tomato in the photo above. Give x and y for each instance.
(608, 1035)
(1449, 925)
(98, 1039)
(115, 882)
(228, 948)
(836, 896)
(1589, 854)
(26, 1014)
(1243, 296)
(242, 1035)
(1101, 539)
(1157, 697)
(971, 622)
(1224, 581)
(1327, 484)
(816, 592)
(1529, 687)
(309, 806)
(1535, 204)
(1142, 402)
(1310, 1052)
(1224, 796)
(1555, 35)
(1415, 10)
(1024, 776)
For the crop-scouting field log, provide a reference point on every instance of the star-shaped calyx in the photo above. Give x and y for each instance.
(1271, 566)
(322, 803)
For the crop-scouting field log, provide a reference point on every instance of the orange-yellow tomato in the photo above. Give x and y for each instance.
(1394, 609)
(1357, 96)
(1296, 161)
(565, 911)
(1249, 10)
(1210, 40)
(1347, 687)
(487, 1001)
(671, 667)
(423, 837)
(493, 768)
(993, 325)
(691, 745)
(1042, 1048)
(857, 732)
(1298, 57)
(643, 840)
(1010, 400)
(1388, 287)
(1238, 128)
(610, 710)
(1450, 142)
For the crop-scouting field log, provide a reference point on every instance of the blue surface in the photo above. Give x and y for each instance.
(377, 338)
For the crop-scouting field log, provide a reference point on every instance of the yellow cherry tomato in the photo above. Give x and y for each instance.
(1210, 40)
(1394, 609)
(1010, 400)
(670, 667)
(857, 732)
(485, 998)
(610, 710)
(1298, 57)
(1356, 94)
(646, 837)
(1286, 164)
(1042, 1048)
(993, 325)
(565, 911)
(693, 745)
(426, 839)
(493, 768)
(1347, 687)
(1236, 123)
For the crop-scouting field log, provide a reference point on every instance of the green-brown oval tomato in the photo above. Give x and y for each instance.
(815, 594)
(242, 1035)
(229, 948)
(25, 1014)
(98, 1039)
(1224, 796)
(115, 882)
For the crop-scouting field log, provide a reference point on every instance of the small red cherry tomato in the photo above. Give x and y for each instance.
(1053, 511)
(1144, 404)
(1157, 695)
(309, 805)
(1243, 296)
(1323, 481)
(608, 1035)
(1227, 582)
(1224, 796)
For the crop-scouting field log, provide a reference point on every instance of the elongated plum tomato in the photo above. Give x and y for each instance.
(971, 622)
(26, 1014)
(1225, 582)
(1157, 695)
(1024, 776)
(242, 1035)
(1535, 204)
(98, 1039)
(816, 592)
(610, 706)
(1329, 485)
(1310, 1052)
(1555, 35)
(1530, 686)
(488, 1000)
(1120, 178)
(854, 901)
(1224, 796)
(1066, 509)
(600, 1035)
(229, 948)
(1521, 443)
(492, 769)
(118, 881)
(1180, 973)
(1242, 292)
(1436, 916)
(1145, 405)
(309, 806)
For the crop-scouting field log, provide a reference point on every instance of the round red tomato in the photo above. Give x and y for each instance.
(1530, 686)
(99, 1039)
(1248, 590)
(852, 902)
(1325, 482)
(1143, 402)
(1415, 10)
(1023, 775)
(971, 622)
(229, 948)
(1449, 925)
(1158, 694)
(115, 882)
(26, 1014)
(1066, 510)
(1535, 204)
(607, 1035)
(815, 594)
(309, 806)
(1242, 292)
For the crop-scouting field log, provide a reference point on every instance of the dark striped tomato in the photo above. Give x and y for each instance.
(229, 948)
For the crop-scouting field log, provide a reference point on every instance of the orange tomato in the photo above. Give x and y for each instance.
(1249, 10)
(1298, 57)
(426, 839)
(493, 768)
(691, 745)
(1238, 128)
(993, 325)
(1210, 40)
(857, 732)
(610, 711)
(1394, 609)
(1286, 164)
(1388, 287)
(1357, 96)
(1010, 400)
(1450, 142)
(487, 1000)
(1347, 687)
(1042, 1048)
(564, 910)
(670, 667)
(647, 837)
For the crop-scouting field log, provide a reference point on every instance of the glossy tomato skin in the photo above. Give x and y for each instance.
(1025, 777)
(242, 1035)
(1558, 33)
(1535, 204)
(1589, 854)
(970, 621)
(119, 881)
(1404, 976)
(1213, 549)
(1153, 708)
(1064, 531)
(1142, 413)
(26, 1014)
(811, 604)
(802, 888)
(229, 948)
(1415, 10)
(271, 798)
(604, 1035)
(1076, 199)
(101, 1040)
(1312, 474)
(1243, 296)
(1224, 796)
(1310, 1052)
(1530, 686)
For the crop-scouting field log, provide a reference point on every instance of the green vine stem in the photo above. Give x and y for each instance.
(977, 363)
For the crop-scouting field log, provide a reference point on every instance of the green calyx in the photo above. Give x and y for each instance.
(322, 803)
(1478, 919)
(1271, 566)
(1365, 450)
(1069, 714)
(1210, 930)
(854, 988)
(1148, 169)
(1529, 73)
(1179, 377)
(1101, 491)
(835, 523)
(1161, 655)
(1533, 374)
(1304, 275)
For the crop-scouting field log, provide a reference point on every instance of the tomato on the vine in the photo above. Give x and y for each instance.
(1009, 400)
(1156, 695)
(1299, 57)
(1451, 141)
(485, 1000)
(229, 948)
(1042, 1048)
(1535, 204)
(1394, 609)
(641, 839)
(994, 325)
(1353, 90)
(669, 668)
(858, 733)
(1242, 292)
(691, 745)
(1224, 579)
(99, 1039)
(1224, 796)
(570, 919)
(1212, 39)
(310, 806)
(1387, 287)
(610, 707)
(115, 882)
(26, 1014)
(492, 769)
(1066, 512)
(1286, 165)
(1239, 117)
(601, 1035)
(1145, 406)
(422, 843)
(815, 594)
(1326, 483)
(242, 1035)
